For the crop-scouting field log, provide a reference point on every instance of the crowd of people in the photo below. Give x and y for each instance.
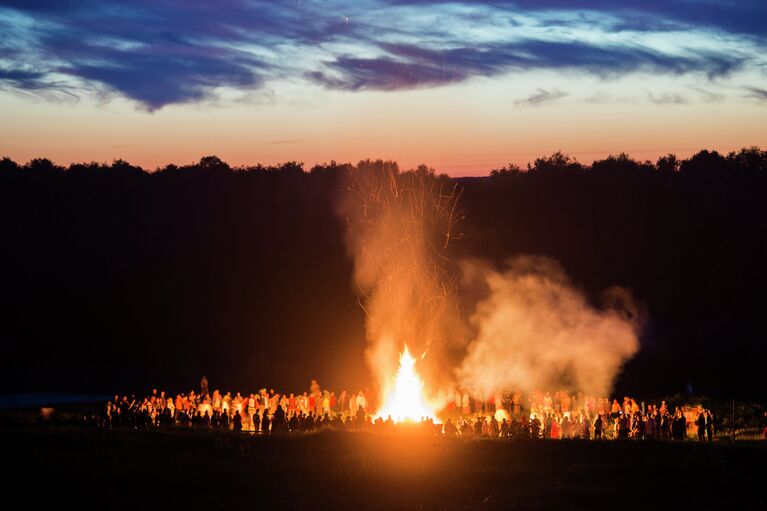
(538, 414)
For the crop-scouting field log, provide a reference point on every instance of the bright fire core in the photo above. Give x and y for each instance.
(405, 400)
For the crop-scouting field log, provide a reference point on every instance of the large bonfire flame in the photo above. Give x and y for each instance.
(405, 400)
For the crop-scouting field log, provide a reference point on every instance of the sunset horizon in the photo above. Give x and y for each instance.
(463, 87)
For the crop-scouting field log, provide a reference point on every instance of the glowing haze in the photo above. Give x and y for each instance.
(529, 327)
(464, 86)
(535, 331)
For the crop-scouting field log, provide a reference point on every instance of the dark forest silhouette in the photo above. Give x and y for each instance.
(115, 278)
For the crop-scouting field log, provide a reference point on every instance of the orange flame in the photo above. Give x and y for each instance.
(405, 400)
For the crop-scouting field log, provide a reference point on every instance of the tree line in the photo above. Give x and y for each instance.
(117, 276)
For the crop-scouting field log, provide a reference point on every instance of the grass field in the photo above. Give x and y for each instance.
(202, 470)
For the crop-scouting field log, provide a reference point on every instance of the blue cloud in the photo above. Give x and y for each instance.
(18, 78)
(163, 52)
(734, 16)
(407, 66)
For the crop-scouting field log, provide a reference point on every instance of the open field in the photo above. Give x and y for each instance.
(201, 470)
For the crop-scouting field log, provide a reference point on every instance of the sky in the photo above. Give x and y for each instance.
(463, 86)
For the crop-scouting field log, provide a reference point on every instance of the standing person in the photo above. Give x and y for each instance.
(615, 410)
(226, 403)
(493, 428)
(204, 386)
(565, 426)
(362, 401)
(764, 425)
(274, 399)
(598, 427)
(678, 426)
(535, 427)
(547, 423)
(504, 433)
(709, 425)
(237, 421)
(665, 425)
(263, 401)
(478, 427)
(651, 427)
(585, 427)
(449, 429)
(265, 423)
(554, 431)
(251, 413)
(326, 402)
(701, 423)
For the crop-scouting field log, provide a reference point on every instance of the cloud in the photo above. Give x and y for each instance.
(35, 84)
(757, 93)
(667, 98)
(179, 51)
(404, 66)
(540, 97)
(28, 80)
(709, 96)
(164, 74)
(734, 16)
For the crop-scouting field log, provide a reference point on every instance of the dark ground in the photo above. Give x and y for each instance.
(191, 470)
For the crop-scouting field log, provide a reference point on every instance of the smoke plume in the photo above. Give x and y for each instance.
(400, 225)
(529, 328)
(534, 330)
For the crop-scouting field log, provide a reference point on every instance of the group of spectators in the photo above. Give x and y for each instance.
(505, 415)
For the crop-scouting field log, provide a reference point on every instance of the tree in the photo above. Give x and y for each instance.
(42, 167)
(511, 169)
(556, 162)
(8, 165)
(213, 163)
(704, 163)
(668, 164)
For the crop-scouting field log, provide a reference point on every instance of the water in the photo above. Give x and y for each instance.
(47, 399)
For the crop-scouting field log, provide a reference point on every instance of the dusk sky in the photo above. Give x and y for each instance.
(461, 86)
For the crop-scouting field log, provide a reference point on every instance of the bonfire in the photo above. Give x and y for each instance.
(405, 400)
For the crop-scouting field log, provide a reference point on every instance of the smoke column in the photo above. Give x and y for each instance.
(400, 225)
(535, 331)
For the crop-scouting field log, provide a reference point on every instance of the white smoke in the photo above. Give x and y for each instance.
(534, 330)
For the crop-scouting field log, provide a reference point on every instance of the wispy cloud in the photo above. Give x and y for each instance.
(709, 96)
(179, 51)
(541, 97)
(757, 93)
(668, 98)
